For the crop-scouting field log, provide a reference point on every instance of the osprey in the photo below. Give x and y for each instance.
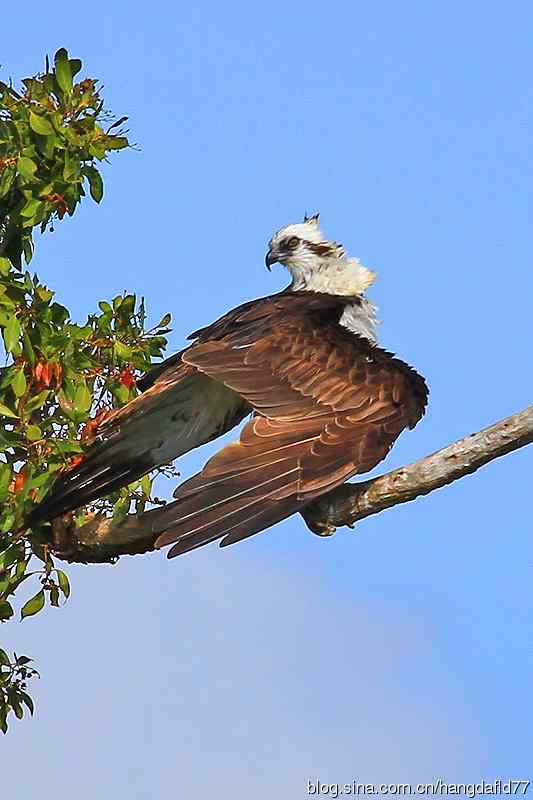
(326, 403)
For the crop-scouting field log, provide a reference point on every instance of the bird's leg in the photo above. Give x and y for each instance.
(321, 515)
(316, 517)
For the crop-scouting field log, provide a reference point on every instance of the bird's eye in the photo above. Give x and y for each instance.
(293, 242)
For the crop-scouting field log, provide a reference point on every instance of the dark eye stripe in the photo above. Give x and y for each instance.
(324, 248)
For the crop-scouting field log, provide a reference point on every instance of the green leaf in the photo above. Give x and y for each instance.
(75, 66)
(27, 168)
(116, 142)
(37, 401)
(59, 313)
(6, 609)
(27, 245)
(64, 584)
(12, 334)
(121, 394)
(165, 321)
(45, 294)
(26, 699)
(4, 658)
(71, 170)
(19, 572)
(18, 383)
(43, 478)
(47, 145)
(5, 480)
(27, 346)
(63, 71)
(5, 266)
(31, 208)
(7, 176)
(82, 398)
(8, 557)
(96, 184)
(7, 523)
(33, 433)
(121, 509)
(6, 412)
(3, 723)
(33, 606)
(117, 123)
(157, 341)
(40, 125)
(65, 403)
(122, 350)
(127, 306)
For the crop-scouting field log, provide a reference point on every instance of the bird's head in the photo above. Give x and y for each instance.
(314, 262)
(301, 243)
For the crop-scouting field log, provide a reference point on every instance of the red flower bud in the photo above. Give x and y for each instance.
(126, 378)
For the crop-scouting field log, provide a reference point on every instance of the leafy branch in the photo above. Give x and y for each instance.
(60, 376)
(14, 676)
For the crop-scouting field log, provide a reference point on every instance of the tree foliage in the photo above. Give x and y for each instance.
(59, 375)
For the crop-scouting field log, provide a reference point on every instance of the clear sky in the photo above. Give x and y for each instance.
(403, 650)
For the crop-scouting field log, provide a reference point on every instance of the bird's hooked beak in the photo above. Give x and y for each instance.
(270, 258)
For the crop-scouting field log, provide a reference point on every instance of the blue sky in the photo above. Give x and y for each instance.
(401, 651)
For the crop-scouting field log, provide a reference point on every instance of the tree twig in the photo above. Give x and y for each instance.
(101, 540)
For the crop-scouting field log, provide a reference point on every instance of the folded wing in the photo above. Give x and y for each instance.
(329, 406)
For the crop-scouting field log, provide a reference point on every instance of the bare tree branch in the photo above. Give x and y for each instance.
(101, 540)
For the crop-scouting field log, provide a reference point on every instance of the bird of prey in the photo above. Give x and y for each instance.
(324, 403)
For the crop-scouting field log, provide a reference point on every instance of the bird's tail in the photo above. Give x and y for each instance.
(233, 506)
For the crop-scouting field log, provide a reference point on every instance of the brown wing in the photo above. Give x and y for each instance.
(329, 406)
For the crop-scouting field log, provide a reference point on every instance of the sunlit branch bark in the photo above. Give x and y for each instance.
(102, 540)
